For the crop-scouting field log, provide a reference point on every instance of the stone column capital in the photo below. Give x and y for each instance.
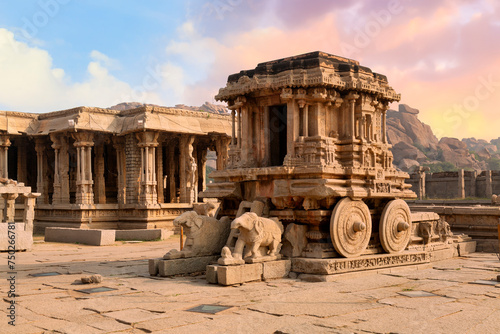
(83, 139)
(5, 141)
(351, 97)
(147, 138)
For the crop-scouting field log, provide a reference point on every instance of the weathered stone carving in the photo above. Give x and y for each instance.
(443, 230)
(254, 232)
(204, 235)
(495, 200)
(437, 230)
(425, 229)
(205, 209)
(294, 240)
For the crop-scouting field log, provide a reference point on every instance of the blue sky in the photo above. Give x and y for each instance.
(441, 55)
(126, 31)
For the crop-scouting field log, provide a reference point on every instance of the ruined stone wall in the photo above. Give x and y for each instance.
(442, 185)
(133, 168)
(453, 185)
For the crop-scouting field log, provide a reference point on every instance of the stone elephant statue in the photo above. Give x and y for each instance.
(204, 235)
(256, 232)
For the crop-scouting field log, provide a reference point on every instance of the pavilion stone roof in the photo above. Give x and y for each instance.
(315, 69)
(115, 122)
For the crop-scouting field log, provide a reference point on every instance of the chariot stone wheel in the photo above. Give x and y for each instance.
(395, 226)
(350, 227)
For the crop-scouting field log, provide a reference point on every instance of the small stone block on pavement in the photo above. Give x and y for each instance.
(229, 275)
(211, 273)
(276, 269)
(466, 247)
(153, 266)
(185, 266)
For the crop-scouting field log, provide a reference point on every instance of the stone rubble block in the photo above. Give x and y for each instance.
(211, 273)
(76, 235)
(183, 266)
(466, 247)
(153, 266)
(276, 269)
(229, 275)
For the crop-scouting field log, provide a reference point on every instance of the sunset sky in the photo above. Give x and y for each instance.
(443, 56)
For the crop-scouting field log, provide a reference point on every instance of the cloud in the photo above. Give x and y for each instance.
(101, 58)
(30, 82)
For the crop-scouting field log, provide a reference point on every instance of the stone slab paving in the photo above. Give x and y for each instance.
(367, 302)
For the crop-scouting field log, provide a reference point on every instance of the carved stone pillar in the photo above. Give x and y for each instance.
(22, 161)
(100, 182)
(292, 135)
(267, 140)
(159, 174)
(41, 167)
(202, 170)
(83, 143)
(384, 131)
(222, 146)
(172, 189)
(421, 183)
(233, 118)
(351, 98)
(56, 145)
(4, 163)
(148, 141)
(245, 138)
(119, 146)
(239, 128)
(61, 169)
(303, 118)
(10, 206)
(187, 169)
(29, 210)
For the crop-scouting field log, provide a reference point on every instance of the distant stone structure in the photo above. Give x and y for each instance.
(459, 184)
(111, 169)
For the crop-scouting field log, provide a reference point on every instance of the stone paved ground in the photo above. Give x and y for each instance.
(354, 303)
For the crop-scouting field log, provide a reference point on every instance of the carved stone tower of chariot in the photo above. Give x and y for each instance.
(309, 139)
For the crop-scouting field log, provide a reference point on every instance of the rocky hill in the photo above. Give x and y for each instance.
(206, 107)
(414, 144)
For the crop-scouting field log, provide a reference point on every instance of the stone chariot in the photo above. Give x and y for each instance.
(309, 141)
